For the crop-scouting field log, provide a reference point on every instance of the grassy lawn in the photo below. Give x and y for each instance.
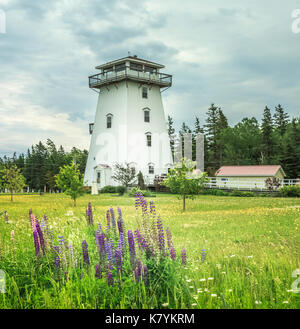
(252, 246)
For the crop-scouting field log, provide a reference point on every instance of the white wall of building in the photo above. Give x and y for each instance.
(125, 141)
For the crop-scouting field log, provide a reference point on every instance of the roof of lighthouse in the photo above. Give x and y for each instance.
(133, 59)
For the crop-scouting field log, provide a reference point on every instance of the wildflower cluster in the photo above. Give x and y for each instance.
(120, 253)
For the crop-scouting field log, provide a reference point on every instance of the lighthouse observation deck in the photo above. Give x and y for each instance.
(130, 68)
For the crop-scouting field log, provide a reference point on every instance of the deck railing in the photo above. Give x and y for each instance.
(127, 73)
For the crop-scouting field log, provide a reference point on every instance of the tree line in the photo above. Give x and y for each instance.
(42, 163)
(275, 140)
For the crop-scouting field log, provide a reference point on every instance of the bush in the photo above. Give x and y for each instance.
(108, 189)
(136, 190)
(241, 193)
(221, 193)
(121, 189)
(215, 192)
(290, 191)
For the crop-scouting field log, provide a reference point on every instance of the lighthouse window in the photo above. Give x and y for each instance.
(148, 135)
(108, 69)
(150, 69)
(145, 92)
(108, 121)
(136, 67)
(91, 127)
(151, 169)
(146, 115)
(120, 67)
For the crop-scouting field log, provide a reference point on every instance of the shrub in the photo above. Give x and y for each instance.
(121, 189)
(221, 193)
(141, 182)
(137, 190)
(290, 191)
(241, 193)
(108, 189)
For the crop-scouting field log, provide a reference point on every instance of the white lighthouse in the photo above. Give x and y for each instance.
(130, 123)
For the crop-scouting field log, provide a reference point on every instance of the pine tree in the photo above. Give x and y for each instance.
(281, 119)
(211, 129)
(267, 137)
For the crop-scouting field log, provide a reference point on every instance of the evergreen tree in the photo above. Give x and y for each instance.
(281, 119)
(267, 137)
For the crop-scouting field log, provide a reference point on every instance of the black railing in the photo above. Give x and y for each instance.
(127, 73)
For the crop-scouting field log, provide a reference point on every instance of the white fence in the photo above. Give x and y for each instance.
(251, 184)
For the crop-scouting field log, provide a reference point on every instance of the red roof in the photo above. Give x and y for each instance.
(249, 170)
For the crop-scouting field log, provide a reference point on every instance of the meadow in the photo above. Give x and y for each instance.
(241, 253)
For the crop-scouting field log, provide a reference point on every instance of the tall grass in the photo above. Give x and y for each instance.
(251, 249)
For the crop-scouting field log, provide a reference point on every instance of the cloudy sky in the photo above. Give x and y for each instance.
(241, 55)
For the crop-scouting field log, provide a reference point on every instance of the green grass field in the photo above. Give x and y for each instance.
(252, 248)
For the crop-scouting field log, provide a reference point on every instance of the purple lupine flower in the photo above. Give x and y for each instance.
(101, 245)
(66, 276)
(62, 247)
(161, 236)
(131, 248)
(120, 228)
(140, 201)
(138, 271)
(138, 238)
(85, 253)
(110, 278)
(203, 255)
(145, 275)
(183, 256)
(131, 243)
(30, 213)
(56, 257)
(136, 275)
(152, 208)
(139, 267)
(109, 252)
(108, 221)
(122, 241)
(44, 225)
(36, 243)
(119, 261)
(137, 202)
(89, 214)
(173, 253)
(98, 271)
(113, 220)
(41, 236)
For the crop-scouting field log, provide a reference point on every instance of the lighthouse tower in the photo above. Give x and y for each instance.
(129, 125)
